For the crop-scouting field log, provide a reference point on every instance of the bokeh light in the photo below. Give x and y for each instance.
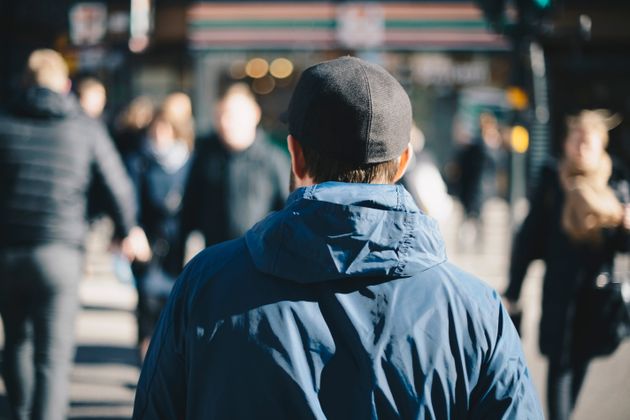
(257, 68)
(281, 68)
(517, 98)
(264, 85)
(237, 69)
(520, 139)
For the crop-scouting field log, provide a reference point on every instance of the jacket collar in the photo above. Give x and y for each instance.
(39, 102)
(337, 230)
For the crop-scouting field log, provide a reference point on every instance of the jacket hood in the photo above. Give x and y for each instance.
(336, 230)
(40, 102)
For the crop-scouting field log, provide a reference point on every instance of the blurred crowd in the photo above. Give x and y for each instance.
(219, 185)
(63, 165)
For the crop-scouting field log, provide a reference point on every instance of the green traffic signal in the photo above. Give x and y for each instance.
(543, 4)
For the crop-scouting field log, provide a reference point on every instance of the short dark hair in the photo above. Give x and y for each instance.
(322, 168)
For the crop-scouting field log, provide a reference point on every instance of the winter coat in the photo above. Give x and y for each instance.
(570, 268)
(228, 192)
(478, 165)
(159, 196)
(341, 306)
(48, 152)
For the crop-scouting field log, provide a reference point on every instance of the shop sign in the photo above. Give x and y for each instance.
(360, 25)
(442, 70)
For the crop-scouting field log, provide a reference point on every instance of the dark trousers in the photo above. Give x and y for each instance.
(38, 303)
(563, 387)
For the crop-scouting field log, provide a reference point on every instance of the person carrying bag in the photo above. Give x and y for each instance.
(579, 226)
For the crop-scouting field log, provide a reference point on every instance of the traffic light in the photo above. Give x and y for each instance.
(529, 14)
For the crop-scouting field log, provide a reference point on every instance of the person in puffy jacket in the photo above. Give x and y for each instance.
(49, 150)
(342, 305)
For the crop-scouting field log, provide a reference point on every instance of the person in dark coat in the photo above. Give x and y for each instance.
(48, 149)
(342, 305)
(478, 164)
(237, 176)
(92, 97)
(576, 225)
(159, 171)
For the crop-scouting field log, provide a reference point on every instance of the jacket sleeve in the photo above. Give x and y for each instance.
(529, 242)
(504, 389)
(109, 167)
(135, 169)
(161, 392)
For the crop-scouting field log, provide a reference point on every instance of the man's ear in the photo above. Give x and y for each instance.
(298, 164)
(403, 163)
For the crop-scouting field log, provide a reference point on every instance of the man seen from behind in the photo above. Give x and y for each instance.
(342, 305)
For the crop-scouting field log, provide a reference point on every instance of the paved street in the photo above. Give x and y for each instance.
(105, 374)
(106, 370)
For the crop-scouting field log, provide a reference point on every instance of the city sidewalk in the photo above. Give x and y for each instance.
(105, 372)
(106, 365)
(106, 369)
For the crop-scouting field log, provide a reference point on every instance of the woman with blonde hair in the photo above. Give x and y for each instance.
(578, 221)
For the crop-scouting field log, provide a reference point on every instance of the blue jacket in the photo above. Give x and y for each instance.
(341, 306)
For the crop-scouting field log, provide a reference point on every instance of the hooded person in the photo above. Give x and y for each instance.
(342, 305)
(49, 152)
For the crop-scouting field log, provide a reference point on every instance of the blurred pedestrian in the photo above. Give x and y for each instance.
(159, 171)
(342, 304)
(47, 150)
(424, 181)
(130, 127)
(238, 176)
(576, 225)
(478, 164)
(92, 97)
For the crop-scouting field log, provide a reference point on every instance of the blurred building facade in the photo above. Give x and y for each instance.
(529, 61)
(441, 51)
(133, 46)
(438, 49)
(568, 55)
